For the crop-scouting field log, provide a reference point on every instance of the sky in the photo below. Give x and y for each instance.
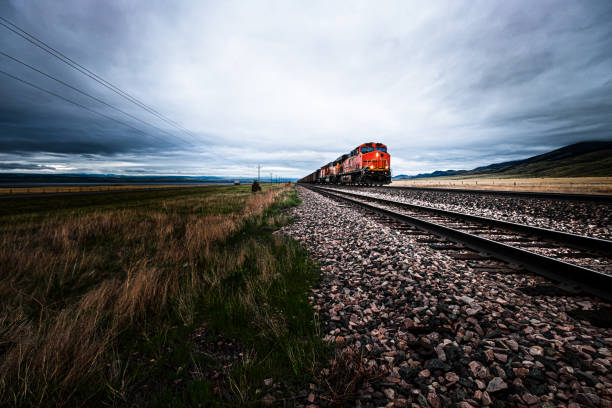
(292, 85)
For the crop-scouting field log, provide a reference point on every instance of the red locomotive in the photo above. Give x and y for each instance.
(367, 164)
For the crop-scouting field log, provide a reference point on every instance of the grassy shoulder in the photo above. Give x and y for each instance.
(171, 299)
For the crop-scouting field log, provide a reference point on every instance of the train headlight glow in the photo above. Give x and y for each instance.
(372, 166)
(387, 167)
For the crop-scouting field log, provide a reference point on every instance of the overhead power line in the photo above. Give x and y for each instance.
(73, 64)
(23, 81)
(88, 95)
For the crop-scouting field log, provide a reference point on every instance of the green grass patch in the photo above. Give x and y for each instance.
(262, 304)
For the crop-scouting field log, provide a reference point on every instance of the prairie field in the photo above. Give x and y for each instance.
(578, 185)
(86, 188)
(100, 297)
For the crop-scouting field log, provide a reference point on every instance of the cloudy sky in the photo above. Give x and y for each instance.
(292, 85)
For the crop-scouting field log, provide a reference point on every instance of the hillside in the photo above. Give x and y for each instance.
(585, 159)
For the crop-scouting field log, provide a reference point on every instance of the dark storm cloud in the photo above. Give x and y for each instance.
(444, 84)
(34, 121)
(60, 132)
(585, 116)
(21, 166)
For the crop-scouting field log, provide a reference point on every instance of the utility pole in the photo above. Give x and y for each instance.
(258, 169)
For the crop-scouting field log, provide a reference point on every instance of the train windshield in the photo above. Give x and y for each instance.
(367, 149)
(382, 149)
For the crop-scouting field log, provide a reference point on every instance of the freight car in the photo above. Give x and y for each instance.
(367, 164)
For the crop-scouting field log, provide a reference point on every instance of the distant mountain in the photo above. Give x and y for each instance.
(584, 159)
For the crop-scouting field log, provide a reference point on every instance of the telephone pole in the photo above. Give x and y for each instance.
(258, 170)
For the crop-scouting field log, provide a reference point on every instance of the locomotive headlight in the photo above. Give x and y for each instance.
(387, 167)
(376, 154)
(371, 166)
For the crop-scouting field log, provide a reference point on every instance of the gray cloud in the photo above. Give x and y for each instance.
(26, 166)
(292, 86)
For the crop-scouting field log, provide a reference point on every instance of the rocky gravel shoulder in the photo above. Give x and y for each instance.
(442, 331)
(584, 218)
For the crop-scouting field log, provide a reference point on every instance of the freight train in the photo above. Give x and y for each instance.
(367, 164)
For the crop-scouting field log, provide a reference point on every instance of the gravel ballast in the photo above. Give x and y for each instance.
(587, 259)
(577, 217)
(446, 331)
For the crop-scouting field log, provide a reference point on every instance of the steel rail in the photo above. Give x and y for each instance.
(574, 240)
(603, 198)
(590, 281)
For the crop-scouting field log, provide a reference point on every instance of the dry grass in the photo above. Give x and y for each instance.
(580, 185)
(349, 371)
(70, 285)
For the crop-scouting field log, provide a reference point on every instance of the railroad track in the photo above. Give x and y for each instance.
(574, 260)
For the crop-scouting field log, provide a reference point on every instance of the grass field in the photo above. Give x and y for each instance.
(581, 185)
(81, 189)
(101, 298)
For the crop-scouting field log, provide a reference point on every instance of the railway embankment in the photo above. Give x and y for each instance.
(436, 328)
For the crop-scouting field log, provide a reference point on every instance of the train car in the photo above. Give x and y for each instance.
(311, 178)
(327, 173)
(335, 171)
(367, 164)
